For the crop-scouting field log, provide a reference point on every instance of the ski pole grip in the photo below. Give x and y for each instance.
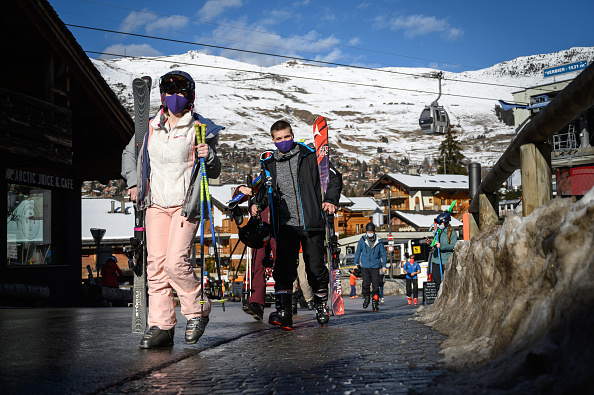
(197, 129)
(203, 133)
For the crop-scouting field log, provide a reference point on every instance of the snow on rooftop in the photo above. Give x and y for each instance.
(363, 204)
(440, 181)
(96, 214)
(424, 221)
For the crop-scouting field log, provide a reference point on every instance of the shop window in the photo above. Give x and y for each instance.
(29, 236)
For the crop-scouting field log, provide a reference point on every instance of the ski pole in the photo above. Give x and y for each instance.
(206, 194)
(202, 260)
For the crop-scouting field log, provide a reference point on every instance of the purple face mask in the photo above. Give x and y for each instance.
(176, 103)
(284, 146)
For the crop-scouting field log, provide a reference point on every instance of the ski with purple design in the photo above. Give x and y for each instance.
(320, 133)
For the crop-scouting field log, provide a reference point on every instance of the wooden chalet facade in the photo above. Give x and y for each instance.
(60, 124)
(419, 193)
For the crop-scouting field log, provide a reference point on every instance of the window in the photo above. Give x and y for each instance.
(28, 229)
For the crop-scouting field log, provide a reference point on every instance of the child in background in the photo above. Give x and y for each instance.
(353, 282)
(412, 268)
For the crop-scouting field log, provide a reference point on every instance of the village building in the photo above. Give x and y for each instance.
(60, 124)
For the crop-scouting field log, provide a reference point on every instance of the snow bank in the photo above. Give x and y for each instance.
(517, 299)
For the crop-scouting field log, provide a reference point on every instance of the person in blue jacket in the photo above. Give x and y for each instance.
(412, 269)
(371, 256)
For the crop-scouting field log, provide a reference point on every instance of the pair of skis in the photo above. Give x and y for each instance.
(141, 89)
(320, 133)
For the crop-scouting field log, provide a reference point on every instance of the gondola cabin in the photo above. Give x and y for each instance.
(434, 120)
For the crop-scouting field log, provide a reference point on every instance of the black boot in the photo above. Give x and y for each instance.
(322, 310)
(282, 316)
(294, 304)
(257, 311)
(157, 337)
(365, 301)
(195, 329)
(375, 303)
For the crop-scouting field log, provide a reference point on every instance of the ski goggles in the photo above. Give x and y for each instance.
(174, 83)
(265, 155)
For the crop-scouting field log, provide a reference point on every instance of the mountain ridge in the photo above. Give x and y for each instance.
(371, 113)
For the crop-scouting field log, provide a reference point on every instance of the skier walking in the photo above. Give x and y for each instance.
(164, 183)
(371, 256)
(446, 241)
(293, 193)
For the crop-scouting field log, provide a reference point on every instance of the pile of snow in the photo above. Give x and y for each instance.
(517, 299)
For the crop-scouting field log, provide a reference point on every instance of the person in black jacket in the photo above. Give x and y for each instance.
(293, 193)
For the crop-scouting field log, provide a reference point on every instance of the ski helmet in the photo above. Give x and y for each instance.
(177, 81)
(112, 258)
(255, 233)
(370, 227)
(444, 217)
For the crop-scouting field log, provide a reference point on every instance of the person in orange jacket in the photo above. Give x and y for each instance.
(353, 282)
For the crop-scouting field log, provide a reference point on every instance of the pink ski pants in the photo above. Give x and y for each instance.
(169, 238)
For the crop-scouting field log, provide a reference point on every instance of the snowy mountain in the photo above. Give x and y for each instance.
(368, 111)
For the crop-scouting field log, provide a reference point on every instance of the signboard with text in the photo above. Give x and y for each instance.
(566, 68)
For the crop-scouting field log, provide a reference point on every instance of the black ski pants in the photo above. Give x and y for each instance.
(371, 279)
(289, 239)
(436, 274)
(412, 284)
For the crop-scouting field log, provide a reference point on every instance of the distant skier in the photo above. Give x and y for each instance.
(293, 193)
(371, 256)
(412, 270)
(161, 183)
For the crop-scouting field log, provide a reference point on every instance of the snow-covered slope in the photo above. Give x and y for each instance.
(368, 111)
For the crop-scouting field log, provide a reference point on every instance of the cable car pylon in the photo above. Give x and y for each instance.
(434, 118)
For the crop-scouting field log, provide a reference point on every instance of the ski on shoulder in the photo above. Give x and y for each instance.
(320, 134)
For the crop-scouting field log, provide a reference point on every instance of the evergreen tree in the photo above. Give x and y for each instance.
(451, 153)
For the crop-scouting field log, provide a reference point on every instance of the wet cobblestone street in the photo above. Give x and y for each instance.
(360, 352)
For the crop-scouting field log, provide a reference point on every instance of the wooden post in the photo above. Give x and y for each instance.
(537, 186)
(469, 225)
(487, 214)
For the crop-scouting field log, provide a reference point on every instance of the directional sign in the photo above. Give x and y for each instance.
(567, 68)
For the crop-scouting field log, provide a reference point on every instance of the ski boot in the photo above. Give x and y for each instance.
(366, 300)
(195, 329)
(294, 304)
(257, 311)
(311, 305)
(415, 302)
(282, 316)
(375, 303)
(322, 310)
(157, 337)
(409, 299)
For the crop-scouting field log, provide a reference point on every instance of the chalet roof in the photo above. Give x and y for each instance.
(434, 182)
(363, 204)
(101, 126)
(422, 219)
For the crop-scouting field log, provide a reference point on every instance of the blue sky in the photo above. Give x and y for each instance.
(449, 35)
